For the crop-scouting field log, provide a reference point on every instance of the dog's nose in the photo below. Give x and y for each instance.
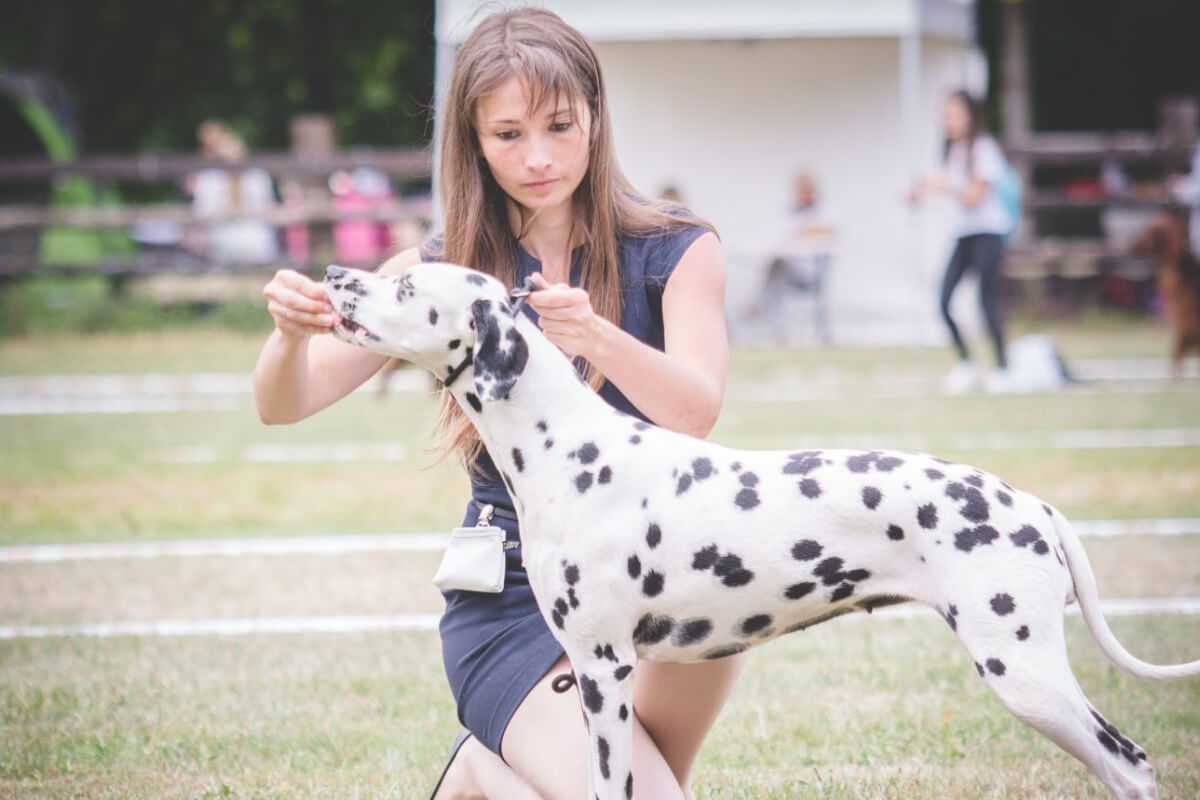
(333, 272)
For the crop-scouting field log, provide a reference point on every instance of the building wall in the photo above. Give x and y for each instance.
(730, 122)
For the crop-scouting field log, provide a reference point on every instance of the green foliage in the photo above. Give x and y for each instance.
(142, 75)
(95, 304)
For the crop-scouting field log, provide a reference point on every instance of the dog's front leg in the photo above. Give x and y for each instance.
(605, 678)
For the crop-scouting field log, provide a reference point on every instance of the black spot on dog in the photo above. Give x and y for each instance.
(518, 459)
(605, 475)
(693, 631)
(723, 652)
(548, 444)
(754, 624)
(702, 468)
(573, 598)
(895, 533)
(602, 751)
(623, 712)
(433, 316)
(1003, 604)
(571, 574)
(871, 497)
(830, 570)
(861, 462)
(857, 575)
(799, 590)
(634, 565)
(974, 480)
(558, 619)
(652, 584)
(1004, 497)
(652, 630)
(888, 463)
(927, 516)
(635, 439)
(1023, 632)
(729, 569)
(454, 343)
(802, 463)
(477, 280)
(542, 427)
(583, 481)
(685, 481)
(628, 783)
(746, 499)
(979, 668)
(1110, 744)
(976, 507)
(969, 538)
(806, 550)
(705, 558)
(995, 666)
(810, 488)
(736, 466)
(842, 592)
(622, 672)
(502, 367)
(934, 475)
(955, 490)
(474, 401)
(588, 453)
(560, 606)
(748, 479)
(640, 426)
(1029, 535)
(653, 536)
(951, 617)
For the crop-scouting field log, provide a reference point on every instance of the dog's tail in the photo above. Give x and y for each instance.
(1089, 604)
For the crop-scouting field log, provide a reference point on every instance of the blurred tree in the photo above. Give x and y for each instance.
(143, 73)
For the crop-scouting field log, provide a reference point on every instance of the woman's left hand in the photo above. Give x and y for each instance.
(566, 316)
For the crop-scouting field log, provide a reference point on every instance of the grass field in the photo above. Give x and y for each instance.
(852, 709)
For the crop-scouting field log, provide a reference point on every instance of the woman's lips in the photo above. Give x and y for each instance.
(546, 184)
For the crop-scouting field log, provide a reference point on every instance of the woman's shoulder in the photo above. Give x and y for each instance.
(659, 249)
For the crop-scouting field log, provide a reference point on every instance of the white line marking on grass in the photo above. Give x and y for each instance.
(429, 622)
(338, 544)
(1081, 439)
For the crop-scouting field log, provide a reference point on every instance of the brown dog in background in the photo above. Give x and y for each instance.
(1166, 239)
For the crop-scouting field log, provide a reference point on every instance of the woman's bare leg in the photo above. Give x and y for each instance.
(547, 745)
(474, 768)
(678, 704)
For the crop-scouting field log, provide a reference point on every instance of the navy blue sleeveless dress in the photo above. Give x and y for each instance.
(496, 647)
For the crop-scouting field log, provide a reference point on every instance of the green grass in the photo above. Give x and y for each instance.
(847, 710)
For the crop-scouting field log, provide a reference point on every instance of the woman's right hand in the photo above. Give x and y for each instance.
(298, 305)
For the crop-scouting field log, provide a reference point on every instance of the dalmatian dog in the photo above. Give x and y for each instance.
(643, 543)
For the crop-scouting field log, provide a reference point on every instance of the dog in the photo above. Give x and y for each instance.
(1167, 240)
(643, 543)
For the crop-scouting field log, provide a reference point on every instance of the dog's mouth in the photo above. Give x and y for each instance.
(354, 332)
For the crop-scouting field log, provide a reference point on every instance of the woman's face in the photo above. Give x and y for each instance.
(537, 156)
(957, 119)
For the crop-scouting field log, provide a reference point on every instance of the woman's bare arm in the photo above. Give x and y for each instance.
(299, 373)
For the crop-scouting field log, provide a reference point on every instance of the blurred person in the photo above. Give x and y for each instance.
(798, 263)
(671, 194)
(632, 289)
(223, 192)
(973, 167)
(361, 190)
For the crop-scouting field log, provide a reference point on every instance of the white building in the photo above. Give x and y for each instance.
(728, 100)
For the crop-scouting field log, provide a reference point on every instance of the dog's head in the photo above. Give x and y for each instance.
(439, 316)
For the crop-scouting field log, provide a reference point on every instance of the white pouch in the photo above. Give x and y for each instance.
(474, 559)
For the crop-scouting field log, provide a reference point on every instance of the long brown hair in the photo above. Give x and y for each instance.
(975, 127)
(554, 61)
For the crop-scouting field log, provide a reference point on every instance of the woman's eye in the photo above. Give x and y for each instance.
(561, 127)
(506, 136)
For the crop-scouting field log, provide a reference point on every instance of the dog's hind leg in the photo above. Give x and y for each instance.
(1024, 660)
(605, 681)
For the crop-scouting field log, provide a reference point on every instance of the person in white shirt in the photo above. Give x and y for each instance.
(972, 168)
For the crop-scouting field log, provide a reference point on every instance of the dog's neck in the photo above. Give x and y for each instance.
(549, 401)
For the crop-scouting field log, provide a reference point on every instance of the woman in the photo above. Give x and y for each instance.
(973, 168)
(634, 291)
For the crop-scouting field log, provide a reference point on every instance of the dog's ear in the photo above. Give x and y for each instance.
(500, 350)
